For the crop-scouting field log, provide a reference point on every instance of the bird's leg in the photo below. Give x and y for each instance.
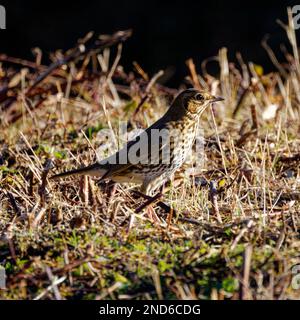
(162, 188)
(148, 205)
(150, 200)
(109, 188)
(146, 192)
(149, 208)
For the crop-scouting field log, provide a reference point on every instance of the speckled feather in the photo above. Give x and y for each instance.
(151, 172)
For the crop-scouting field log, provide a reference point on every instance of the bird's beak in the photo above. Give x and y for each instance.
(216, 99)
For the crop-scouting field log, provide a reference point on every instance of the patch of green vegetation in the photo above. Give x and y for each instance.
(49, 151)
(90, 131)
(230, 285)
(130, 106)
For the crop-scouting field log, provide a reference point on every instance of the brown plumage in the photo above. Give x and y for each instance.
(152, 157)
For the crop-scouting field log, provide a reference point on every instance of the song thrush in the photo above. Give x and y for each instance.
(153, 156)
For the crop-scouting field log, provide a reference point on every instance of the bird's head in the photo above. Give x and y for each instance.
(192, 102)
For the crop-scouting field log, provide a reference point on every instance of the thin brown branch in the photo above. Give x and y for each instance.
(42, 190)
(245, 293)
(193, 72)
(213, 195)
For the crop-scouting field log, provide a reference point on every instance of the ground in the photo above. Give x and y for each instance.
(229, 228)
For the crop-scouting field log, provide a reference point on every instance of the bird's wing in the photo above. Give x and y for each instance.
(93, 170)
(118, 162)
(136, 151)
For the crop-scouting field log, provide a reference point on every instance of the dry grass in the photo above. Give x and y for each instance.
(234, 230)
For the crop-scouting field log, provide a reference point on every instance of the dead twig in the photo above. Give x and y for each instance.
(254, 117)
(193, 72)
(170, 210)
(84, 189)
(240, 101)
(21, 62)
(13, 203)
(76, 53)
(213, 195)
(245, 293)
(147, 95)
(79, 51)
(242, 140)
(42, 190)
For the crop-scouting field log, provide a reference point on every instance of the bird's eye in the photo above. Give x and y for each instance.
(199, 97)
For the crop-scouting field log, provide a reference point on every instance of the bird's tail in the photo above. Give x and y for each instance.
(93, 170)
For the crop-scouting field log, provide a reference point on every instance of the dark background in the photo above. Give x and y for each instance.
(165, 33)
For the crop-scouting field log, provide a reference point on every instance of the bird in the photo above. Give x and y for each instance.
(151, 158)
